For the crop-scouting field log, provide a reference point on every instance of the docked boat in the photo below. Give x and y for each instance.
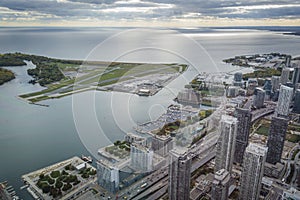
(87, 159)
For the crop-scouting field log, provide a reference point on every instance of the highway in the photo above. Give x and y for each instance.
(290, 161)
(160, 187)
(257, 114)
(162, 183)
(202, 152)
(157, 183)
(159, 193)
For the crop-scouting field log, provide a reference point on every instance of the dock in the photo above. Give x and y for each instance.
(7, 192)
(78, 166)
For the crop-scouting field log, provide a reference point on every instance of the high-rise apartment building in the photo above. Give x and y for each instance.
(285, 74)
(288, 61)
(179, 175)
(296, 74)
(161, 144)
(259, 98)
(296, 108)
(226, 143)
(141, 158)
(238, 77)
(252, 173)
(276, 137)
(268, 86)
(284, 100)
(108, 176)
(244, 117)
(220, 185)
(275, 80)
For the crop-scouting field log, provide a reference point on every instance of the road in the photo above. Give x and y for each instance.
(257, 114)
(159, 193)
(154, 188)
(288, 163)
(294, 181)
(157, 182)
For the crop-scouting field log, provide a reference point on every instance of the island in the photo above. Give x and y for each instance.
(66, 77)
(6, 75)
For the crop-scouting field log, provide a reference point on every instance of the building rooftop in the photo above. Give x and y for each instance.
(257, 149)
(221, 174)
(229, 119)
(179, 151)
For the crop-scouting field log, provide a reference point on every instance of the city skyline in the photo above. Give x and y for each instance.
(146, 115)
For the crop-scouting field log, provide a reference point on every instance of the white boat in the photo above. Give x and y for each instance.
(87, 159)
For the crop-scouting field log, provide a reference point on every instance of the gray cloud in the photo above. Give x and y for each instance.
(147, 9)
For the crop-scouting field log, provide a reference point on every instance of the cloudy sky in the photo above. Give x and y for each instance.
(149, 12)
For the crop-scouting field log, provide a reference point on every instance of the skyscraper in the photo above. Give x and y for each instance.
(296, 74)
(252, 173)
(252, 84)
(189, 97)
(268, 86)
(108, 176)
(259, 98)
(244, 117)
(141, 158)
(275, 83)
(238, 77)
(284, 100)
(296, 108)
(226, 143)
(276, 139)
(179, 175)
(288, 61)
(285, 74)
(162, 144)
(220, 185)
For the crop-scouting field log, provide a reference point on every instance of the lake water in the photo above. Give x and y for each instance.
(32, 137)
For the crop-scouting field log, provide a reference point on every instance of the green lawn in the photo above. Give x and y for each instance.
(101, 76)
(263, 130)
(293, 138)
